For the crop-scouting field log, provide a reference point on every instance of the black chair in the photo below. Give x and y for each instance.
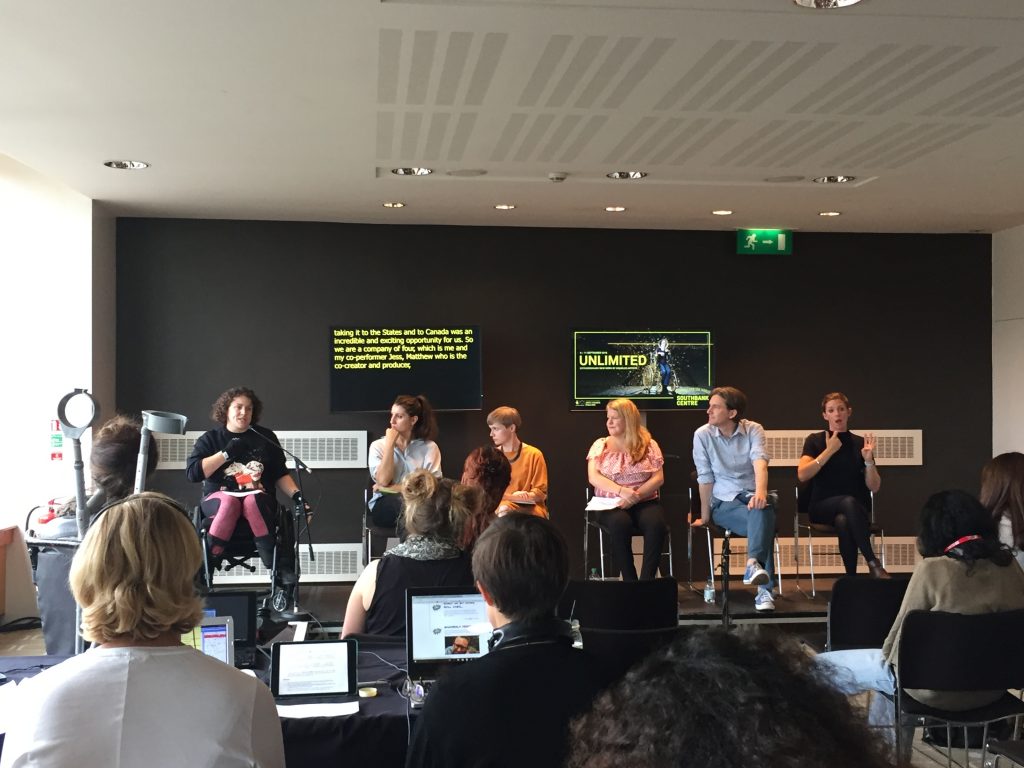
(370, 530)
(590, 522)
(959, 652)
(862, 611)
(1011, 749)
(621, 622)
(802, 522)
(240, 550)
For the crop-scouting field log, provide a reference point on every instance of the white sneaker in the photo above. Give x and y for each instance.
(763, 601)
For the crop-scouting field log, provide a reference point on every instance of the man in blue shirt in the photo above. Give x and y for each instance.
(732, 474)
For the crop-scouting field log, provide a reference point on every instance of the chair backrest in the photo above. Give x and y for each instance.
(617, 650)
(944, 651)
(862, 611)
(649, 604)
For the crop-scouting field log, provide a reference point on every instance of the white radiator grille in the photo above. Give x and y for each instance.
(334, 563)
(894, 446)
(900, 555)
(319, 449)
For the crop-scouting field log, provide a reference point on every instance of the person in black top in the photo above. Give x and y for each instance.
(241, 472)
(840, 472)
(513, 706)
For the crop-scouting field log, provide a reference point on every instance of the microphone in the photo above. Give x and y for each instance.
(299, 463)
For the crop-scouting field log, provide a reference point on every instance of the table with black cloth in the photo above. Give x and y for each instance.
(377, 735)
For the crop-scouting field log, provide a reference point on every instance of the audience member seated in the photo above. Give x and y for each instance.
(965, 570)
(1002, 493)
(628, 466)
(718, 699)
(139, 697)
(486, 468)
(240, 472)
(840, 471)
(528, 489)
(408, 444)
(512, 707)
(435, 512)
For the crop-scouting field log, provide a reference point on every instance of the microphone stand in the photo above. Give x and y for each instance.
(298, 512)
(726, 620)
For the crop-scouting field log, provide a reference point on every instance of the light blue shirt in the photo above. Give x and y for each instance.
(418, 454)
(728, 462)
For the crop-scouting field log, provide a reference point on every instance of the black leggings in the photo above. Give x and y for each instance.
(850, 519)
(646, 518)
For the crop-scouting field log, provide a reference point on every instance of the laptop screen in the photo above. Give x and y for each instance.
(444, 626)
(313, 668)
(240, 606)
(214, 636)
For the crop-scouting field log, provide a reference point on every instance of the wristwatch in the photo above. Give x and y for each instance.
(225, 455)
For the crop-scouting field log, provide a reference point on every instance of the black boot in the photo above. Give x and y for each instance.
(265, 546)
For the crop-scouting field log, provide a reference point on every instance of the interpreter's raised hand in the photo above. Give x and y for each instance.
(832, 442)
(868, 451)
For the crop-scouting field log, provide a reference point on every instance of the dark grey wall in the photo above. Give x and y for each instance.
(901, 323)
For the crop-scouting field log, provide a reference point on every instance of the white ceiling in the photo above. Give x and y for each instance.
(253, 109)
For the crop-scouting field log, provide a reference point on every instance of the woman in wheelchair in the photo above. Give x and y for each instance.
(435, 511)
(241, 466)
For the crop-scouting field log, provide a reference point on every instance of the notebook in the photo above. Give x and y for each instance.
(444, 627)
(314, 672)
(240, 606)
(214, 636)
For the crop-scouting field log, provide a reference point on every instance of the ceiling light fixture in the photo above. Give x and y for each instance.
(126, 165)
(626, 175)
(826, 4)
(722, 212)
(504, 207)
(412, 171)
(393, 204)
(834, 179)
(614, 208)
(829, 213)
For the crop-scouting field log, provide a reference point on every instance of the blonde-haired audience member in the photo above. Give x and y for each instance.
(434, 511)
(138, 696)
(528, 489)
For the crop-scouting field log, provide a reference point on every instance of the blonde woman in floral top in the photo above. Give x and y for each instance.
(627, 469)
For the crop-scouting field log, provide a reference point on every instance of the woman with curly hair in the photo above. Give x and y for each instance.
(113, 705)
(435, 511)
(486, 468)
(627, 465)
(720, 699)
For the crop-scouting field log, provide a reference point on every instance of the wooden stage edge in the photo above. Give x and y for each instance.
(794, 606)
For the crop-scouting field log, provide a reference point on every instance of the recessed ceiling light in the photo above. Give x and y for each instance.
(829, 213)
(126, 165)
(826, 4)
(626, 174)
(722, 212)
(412, 171)
(614, 208)
(504, 207)
(394, 204)
(835, 179)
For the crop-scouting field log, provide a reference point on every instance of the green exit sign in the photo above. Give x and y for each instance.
(764, 241)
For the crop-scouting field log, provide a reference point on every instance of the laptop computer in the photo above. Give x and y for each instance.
(313, 672)
(240, 606)
(444, 627)
(214, 636)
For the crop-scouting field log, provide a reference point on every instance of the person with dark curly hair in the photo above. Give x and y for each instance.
(965, 570)
(435, 510)
(241, 472)
(719, 699)
(1002, 493)
(487, 469)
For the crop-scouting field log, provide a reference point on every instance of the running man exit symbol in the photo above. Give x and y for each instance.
(762, 241)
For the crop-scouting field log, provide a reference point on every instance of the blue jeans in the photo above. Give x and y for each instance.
(758, 525)
(858, 670)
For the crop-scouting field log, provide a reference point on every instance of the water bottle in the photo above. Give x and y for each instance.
(577, 636)
(709, 591)
(593, 575)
